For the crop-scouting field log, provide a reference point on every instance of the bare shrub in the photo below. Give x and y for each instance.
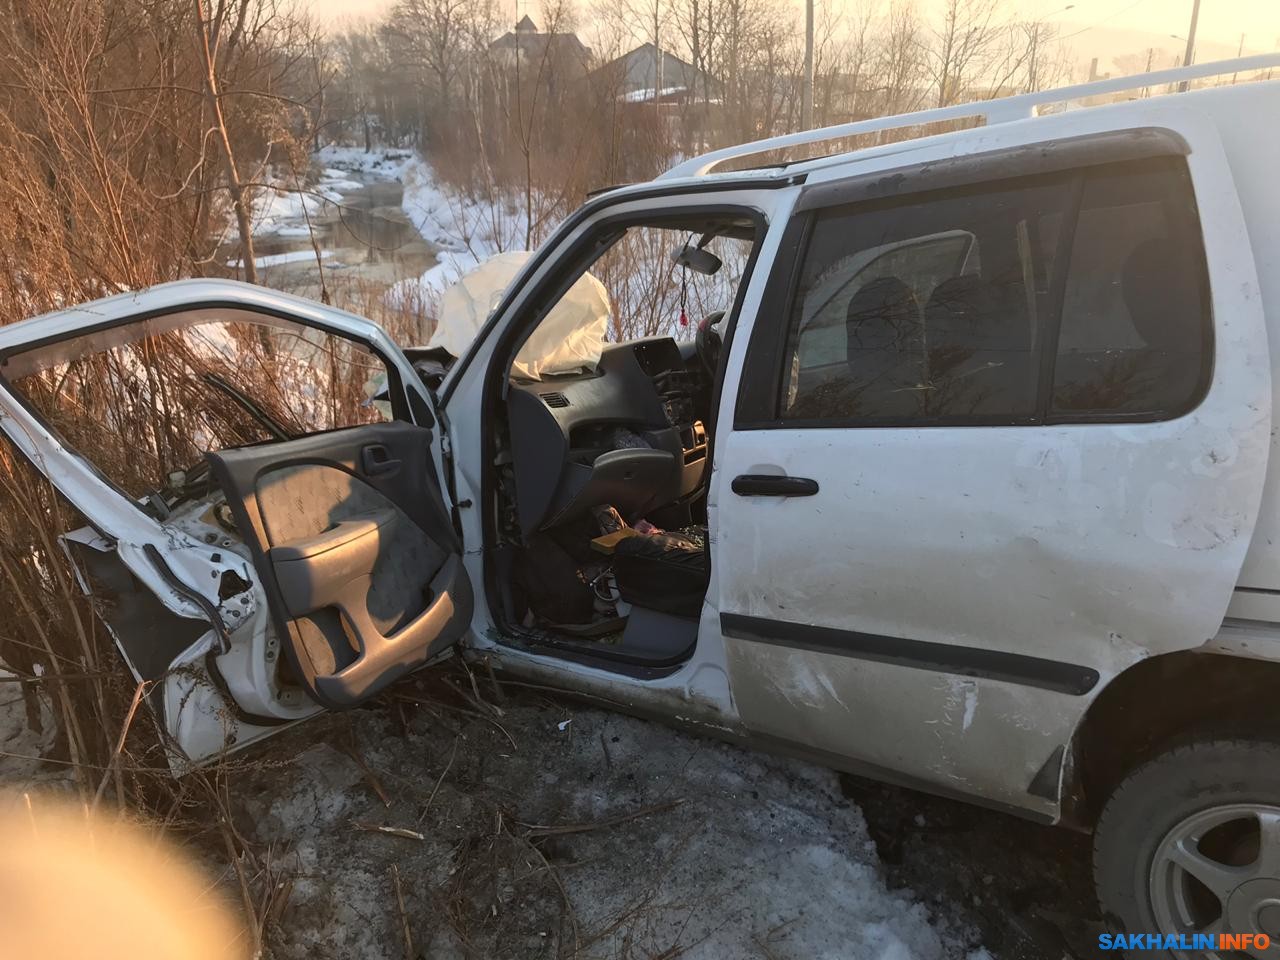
(111, 183)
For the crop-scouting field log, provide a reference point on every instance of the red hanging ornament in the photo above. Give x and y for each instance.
(684, 320)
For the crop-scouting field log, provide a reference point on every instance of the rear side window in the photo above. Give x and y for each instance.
(1061, 297)
(1135, 337)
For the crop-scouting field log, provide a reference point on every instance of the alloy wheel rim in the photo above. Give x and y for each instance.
(1218, 871)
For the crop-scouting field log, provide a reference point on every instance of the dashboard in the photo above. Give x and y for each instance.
(629, 434)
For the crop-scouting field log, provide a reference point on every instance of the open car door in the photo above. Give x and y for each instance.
(359, 560)
(267, 532)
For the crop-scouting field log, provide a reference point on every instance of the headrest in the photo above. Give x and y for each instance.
(969, 311)
(883, 315)
(1162, 293)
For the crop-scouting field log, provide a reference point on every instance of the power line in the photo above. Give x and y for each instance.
(1109, 17)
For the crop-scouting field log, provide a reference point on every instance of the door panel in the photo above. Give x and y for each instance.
(954, 590)
(349, 534)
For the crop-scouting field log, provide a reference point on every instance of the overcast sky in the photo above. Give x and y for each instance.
(1220, 20)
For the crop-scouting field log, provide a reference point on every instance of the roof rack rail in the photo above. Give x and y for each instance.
(1003, 110)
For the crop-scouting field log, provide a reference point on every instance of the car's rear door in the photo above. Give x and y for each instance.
(940, 530)
(260, 478)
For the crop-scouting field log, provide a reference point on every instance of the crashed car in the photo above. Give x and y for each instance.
(966, 485)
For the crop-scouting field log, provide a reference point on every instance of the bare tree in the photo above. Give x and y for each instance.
(433, 35)
(963, 49)
(900, 63)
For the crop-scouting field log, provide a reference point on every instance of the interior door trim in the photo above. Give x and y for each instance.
(1068, 678)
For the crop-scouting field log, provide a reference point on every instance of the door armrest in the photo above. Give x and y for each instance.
(341, 534)
(444, 621)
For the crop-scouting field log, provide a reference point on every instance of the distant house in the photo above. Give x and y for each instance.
(646, 74)
(526, 46)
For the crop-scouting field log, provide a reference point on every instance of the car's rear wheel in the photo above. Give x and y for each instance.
(1189, 843)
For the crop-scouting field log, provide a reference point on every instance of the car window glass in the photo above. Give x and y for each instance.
(648, 290)
(924, 310)
(924, 260)
(1134, 312)
(940, 307)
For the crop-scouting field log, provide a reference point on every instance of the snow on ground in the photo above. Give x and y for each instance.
(276, 259)
(283, 208)
(385, 162)
(467, 230)
(21, 747)
(733, 853)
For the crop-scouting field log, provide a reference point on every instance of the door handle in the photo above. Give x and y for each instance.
(770, 485)
(376, 461)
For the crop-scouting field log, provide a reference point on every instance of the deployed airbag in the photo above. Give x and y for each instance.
(569, 339)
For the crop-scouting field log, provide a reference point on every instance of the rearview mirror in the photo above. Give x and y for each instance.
(697, 259)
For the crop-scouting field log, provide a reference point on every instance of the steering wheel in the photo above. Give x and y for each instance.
(707, 341)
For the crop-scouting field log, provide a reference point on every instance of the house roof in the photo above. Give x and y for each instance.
(526, 37)
(638, 70)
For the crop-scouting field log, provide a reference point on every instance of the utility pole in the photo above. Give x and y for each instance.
(1189, 57)
(806, 91)
(1239, 54)
(659, 60)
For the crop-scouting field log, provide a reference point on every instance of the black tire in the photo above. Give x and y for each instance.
(1154, 800)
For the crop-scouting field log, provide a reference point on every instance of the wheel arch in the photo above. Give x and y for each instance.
(1155, 704)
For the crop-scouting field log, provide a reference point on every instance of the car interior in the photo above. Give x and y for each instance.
(602, 468)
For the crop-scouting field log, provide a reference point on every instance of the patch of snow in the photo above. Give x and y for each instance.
(341, 185)
(278, 207)
(467, 229)
(645, 95)
(21, 747)
(381, 162)
(275, 259)
(459, 222)
(761, 857)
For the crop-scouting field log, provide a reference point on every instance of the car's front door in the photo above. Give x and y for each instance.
(960, 494)
(266, 533)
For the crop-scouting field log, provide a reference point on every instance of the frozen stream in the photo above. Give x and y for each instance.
(364, 240)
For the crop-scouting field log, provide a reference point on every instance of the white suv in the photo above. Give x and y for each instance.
(971, 476)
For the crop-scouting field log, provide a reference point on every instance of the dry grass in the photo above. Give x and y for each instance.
(110, 183)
